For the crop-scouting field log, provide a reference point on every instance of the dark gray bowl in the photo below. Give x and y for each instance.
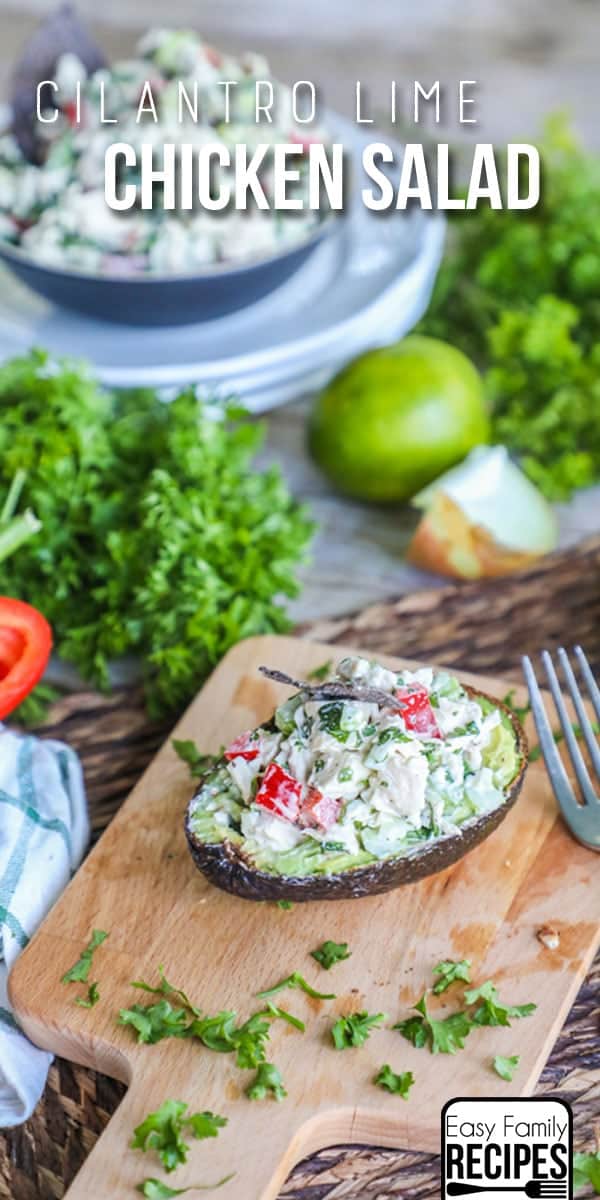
(163, 299)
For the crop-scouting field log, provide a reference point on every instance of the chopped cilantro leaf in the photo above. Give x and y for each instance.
(92, 998)
(154, 1022)
(449, 972)
(330, 953)
(80, 970)
(163, 1131)
(282, 1014)
(154, 1189)
(444, 1036)
(586, 1169)
(321, 672)
(267, 1081)
(295, 980)
(400, 1085)
(286, 905)
(164, 988)
(189, 753)
(354, 1029)
(490, 1010)
(506, 1067)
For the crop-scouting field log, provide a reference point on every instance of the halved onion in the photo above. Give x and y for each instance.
(482, 519)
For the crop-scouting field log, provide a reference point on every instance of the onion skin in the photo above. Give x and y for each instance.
(446, 543)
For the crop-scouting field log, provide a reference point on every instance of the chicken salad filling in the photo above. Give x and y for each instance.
(56, 210)
(333, 784)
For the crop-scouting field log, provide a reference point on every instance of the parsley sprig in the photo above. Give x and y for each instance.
(399, 1085)
(354, 1029)
(505, 1067)
(267, 1082)
(155, 1189)
(296, 980)
(450, 972)
(443, 1036)
(164, 1131)
(79, 972)
(330, 953)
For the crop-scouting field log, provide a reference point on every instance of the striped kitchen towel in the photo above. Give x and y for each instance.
(44, 831)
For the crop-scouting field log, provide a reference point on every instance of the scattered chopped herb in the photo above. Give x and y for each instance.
(282, 1014)
(445, 1036)
(189, 753)
(392, 735)
(330, 719)
(154, 1189)
(154, 1022)
(249, 1042)
(464, 730)
(267, 1082)
(355, 1029)
(345, 775)
(286, 905)
(92, 998)
(295, 980)
(491, 1011)
(506, 1067)
(163, 1131)
(449, 972)
(330, 953)
(79, 972)
(164, 988)
(321, 672)
(400, 1085)
(520, 711)
(327, 847)
(586, 1169)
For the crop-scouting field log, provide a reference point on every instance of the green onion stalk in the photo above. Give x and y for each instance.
(15, 530)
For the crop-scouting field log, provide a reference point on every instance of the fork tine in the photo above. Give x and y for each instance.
(558, 776)
(584, 721)
(591, 684)
(577, 759)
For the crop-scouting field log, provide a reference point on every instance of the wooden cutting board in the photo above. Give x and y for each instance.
(140, 884)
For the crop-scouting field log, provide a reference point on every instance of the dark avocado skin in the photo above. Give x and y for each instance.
(225, 865)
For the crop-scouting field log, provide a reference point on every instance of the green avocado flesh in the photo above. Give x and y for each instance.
(397, 788)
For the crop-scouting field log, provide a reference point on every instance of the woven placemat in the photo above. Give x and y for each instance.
(482, 627)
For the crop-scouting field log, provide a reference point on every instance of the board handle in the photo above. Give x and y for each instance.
(262, 1142)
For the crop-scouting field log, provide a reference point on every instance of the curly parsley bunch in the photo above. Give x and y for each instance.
(158, 537)
(520, 292)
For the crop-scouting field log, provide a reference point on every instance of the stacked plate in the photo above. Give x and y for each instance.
(365, 285)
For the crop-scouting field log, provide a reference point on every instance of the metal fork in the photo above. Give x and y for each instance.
(583, 819)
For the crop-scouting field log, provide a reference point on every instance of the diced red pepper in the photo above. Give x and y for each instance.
(243, 747)
(318, 811)
(417, 711)
(25, 645)
(279, 793)
(70, 111)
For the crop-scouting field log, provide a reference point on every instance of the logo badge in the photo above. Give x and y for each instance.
(491, 1146)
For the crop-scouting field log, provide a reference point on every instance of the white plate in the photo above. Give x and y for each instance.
(367, 285)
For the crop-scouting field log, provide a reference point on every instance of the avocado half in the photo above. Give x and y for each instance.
(226, 865)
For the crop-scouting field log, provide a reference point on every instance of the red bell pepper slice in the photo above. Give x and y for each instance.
(25, 645)
(243, 747)
(319, 811)
(417, 711)
(279, 793)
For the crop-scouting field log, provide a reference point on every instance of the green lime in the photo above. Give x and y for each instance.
(396, 418)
